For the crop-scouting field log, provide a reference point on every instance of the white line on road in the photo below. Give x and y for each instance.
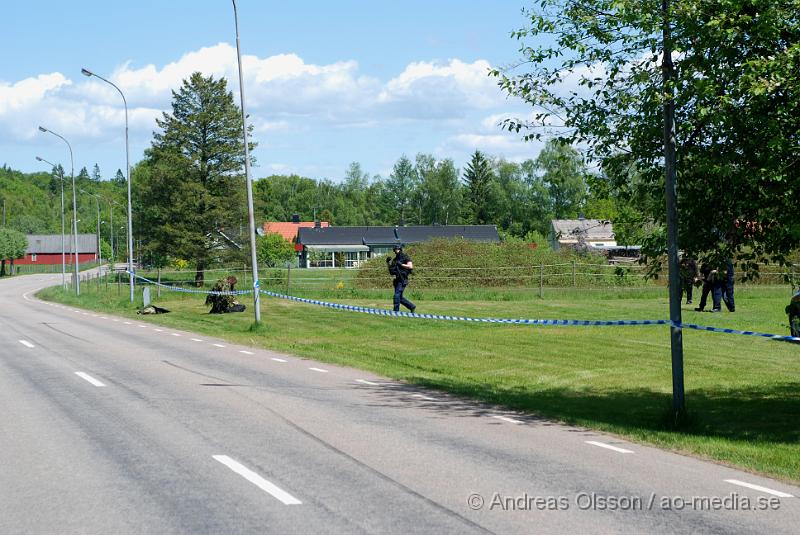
(127, 323)
(507, 419)
(365, 382)
(246, 352)
(217, 345)
(142, 326)
(258, 481)
(319, 370)
(159, 330)
(89, 378)
(278, 360)
(196, 340)
(174, 334)
(758, 487)
(608, 446)
(26, 343)
(426, 398)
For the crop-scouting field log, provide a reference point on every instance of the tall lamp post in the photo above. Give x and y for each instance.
(63, 245)
(87, 72)
(99, 250)
(74, 208)
(253, 260)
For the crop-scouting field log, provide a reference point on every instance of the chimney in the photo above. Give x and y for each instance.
(317, 224)
(295, 218)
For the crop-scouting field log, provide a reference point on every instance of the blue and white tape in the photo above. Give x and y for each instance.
(190, 290)
(513, 321)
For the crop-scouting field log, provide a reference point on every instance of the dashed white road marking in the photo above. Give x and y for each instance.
(159, 330)
(759, 488)
(196, 340)
(608, 446)
(115, 319)
(127, 323)
(217, 345)
(142, 326)
(26, 343)
(246, 352)
(319, 370)
(103, 318)
(87, 377)
(258, 481)
(426, 398)
(365, 382)
(276, 359)
(174, 334)
(507, 419)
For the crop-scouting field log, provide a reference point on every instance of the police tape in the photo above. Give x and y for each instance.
(512, 321)
(736, 331)
(190, 290)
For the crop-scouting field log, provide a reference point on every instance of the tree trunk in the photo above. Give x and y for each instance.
(199, 278)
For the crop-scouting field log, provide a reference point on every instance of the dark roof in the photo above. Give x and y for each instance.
(51, 243)
(377, 236)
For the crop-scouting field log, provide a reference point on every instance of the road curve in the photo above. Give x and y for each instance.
(112, 425)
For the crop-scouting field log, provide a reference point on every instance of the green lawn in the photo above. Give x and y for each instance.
(743, 393)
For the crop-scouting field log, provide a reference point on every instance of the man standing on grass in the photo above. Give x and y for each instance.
(400, 266)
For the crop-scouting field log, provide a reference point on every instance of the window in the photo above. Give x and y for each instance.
(33, 257)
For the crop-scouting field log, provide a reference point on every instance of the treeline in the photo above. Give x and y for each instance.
(520, 198)
(31, 202)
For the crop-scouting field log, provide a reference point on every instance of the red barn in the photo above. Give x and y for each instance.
(46, 249)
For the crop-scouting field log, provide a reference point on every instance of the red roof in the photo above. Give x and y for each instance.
(288, 230)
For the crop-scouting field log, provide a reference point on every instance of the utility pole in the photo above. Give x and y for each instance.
(671, 183)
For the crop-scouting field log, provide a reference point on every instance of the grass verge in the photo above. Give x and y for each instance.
(743, 393)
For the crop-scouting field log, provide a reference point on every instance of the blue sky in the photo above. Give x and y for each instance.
(327, 83)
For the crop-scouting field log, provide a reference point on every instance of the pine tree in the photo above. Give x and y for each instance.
(190, 185)
(477, 180)
(96, 176)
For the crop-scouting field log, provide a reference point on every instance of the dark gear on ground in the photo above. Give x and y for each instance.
(793, 309)
(151, 309)
(221, 304)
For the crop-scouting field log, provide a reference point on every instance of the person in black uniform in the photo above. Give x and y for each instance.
(710, 284)
(400, 266)
(727, 286)
(688, 276)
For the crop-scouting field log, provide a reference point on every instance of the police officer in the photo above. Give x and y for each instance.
(400, 267)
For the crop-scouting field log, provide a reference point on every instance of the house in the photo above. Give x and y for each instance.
(579, 233)
(46, 249)
(288, 229)
(349, 246)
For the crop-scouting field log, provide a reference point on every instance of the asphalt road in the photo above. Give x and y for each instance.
(113, 426)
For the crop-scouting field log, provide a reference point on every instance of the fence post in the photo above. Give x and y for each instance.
(288, 277)
(158, 288)
(541, 281)
(574, 280)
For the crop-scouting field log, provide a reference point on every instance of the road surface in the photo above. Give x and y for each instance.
(116, 426)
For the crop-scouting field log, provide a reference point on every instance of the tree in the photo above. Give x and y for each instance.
(96, 176)
(596, 79)
(12, 246)
(119, 178)
(564, 175)
(190, 188)
(273, 250)
(477, 181)
(399, 188)
(441, 191)
(83, 177)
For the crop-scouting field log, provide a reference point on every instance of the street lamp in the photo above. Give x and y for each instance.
(256, 286)
(99, 250)
(87, 72)
(74, 208)
(63, 246)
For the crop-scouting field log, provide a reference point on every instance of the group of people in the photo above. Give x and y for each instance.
(717, 281)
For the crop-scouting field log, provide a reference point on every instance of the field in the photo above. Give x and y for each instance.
(743, 393)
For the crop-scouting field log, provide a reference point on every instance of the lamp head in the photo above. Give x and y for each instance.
(38, 159)
(42, 129)
(86, 72)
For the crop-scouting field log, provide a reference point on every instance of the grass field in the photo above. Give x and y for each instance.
(743, 393)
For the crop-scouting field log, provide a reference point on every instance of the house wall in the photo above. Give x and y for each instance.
(55, 258)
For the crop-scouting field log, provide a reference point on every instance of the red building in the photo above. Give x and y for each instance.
(46, 249)
(288, 229)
